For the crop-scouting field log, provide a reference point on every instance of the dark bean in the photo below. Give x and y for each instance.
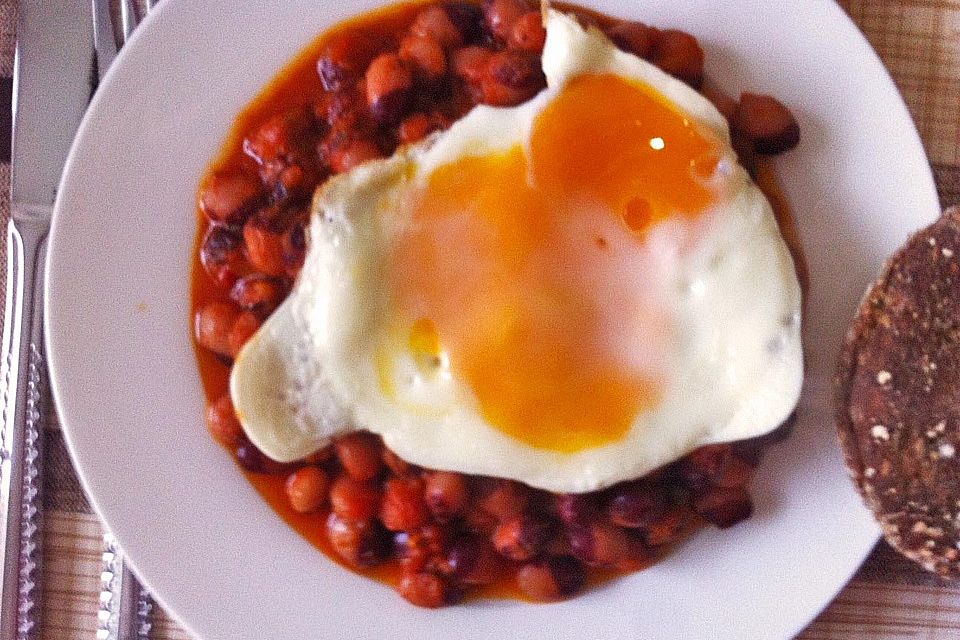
(222, 256)
(474, 561)
(522, 538)
(256, 461)
(634, 37)
(446, 494)
(714, 465)
(230, 197)
(636, 504)
(345, 58)
(576, 508)
(389, 89)
(294, 248)
(723, 507)
(667, 527)
(551, 579)
(608, 547)
(766, 123)
(468, 18)
(279, 137)
(361, 543)
(679, 54)
(511, 77)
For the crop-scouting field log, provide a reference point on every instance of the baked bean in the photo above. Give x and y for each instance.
(474, 561)
(361, 543)
(551, 579)
(414, 128)
(436, 23)
(294, 248)
(424, 589)
(634, 37)
(469, 20)
(347, 112)
(470, 63)
(724, 103)
(354, 500)
(395, 463)
(403, 508)
(511, 77)
(389, 88)
(608, 547)
(422, 549)
(221, 255)
(212, 324)
(229, 197)
(222, 422)
(636, 504)
(320, 456)
(279, 137)
(345, 58)
(666, 528)
(723, 507)
(766, 123)
(576, 508)
(679, 54)
(714, 465)
(426, 55)
(256, 461)
(523, 537)
(501, 15)
(264, 245)
(246, 324)
(504, 499)
(528, 32)
(306, 489)
(359, 454)
(347, 154)
(446, 494)
(258, 293)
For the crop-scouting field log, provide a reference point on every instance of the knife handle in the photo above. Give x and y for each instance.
(21, 435)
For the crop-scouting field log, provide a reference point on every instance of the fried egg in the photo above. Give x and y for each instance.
(569, 293)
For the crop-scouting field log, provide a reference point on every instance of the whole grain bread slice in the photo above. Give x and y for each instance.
(897, 397)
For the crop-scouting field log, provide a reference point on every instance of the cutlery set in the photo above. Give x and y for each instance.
(61, 52)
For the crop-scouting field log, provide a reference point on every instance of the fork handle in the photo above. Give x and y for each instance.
(23, 369)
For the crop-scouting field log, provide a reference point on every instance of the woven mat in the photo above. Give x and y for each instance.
(919, 40)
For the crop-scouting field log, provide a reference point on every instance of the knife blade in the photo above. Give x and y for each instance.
(50, 91)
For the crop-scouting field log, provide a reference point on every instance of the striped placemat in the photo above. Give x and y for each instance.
(890, 598)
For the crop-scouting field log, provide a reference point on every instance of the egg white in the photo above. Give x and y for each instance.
(734, 368)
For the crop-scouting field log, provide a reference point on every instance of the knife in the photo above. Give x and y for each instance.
(50, 91)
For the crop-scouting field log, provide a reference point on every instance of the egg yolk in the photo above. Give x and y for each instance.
(526, 266)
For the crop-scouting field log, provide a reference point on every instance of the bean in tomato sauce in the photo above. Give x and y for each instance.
(385, 79)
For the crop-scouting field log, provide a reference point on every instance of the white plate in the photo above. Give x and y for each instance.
(217, 557)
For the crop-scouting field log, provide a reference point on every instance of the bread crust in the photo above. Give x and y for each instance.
(897, 397)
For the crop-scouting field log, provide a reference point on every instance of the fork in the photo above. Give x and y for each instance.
(126, 607)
